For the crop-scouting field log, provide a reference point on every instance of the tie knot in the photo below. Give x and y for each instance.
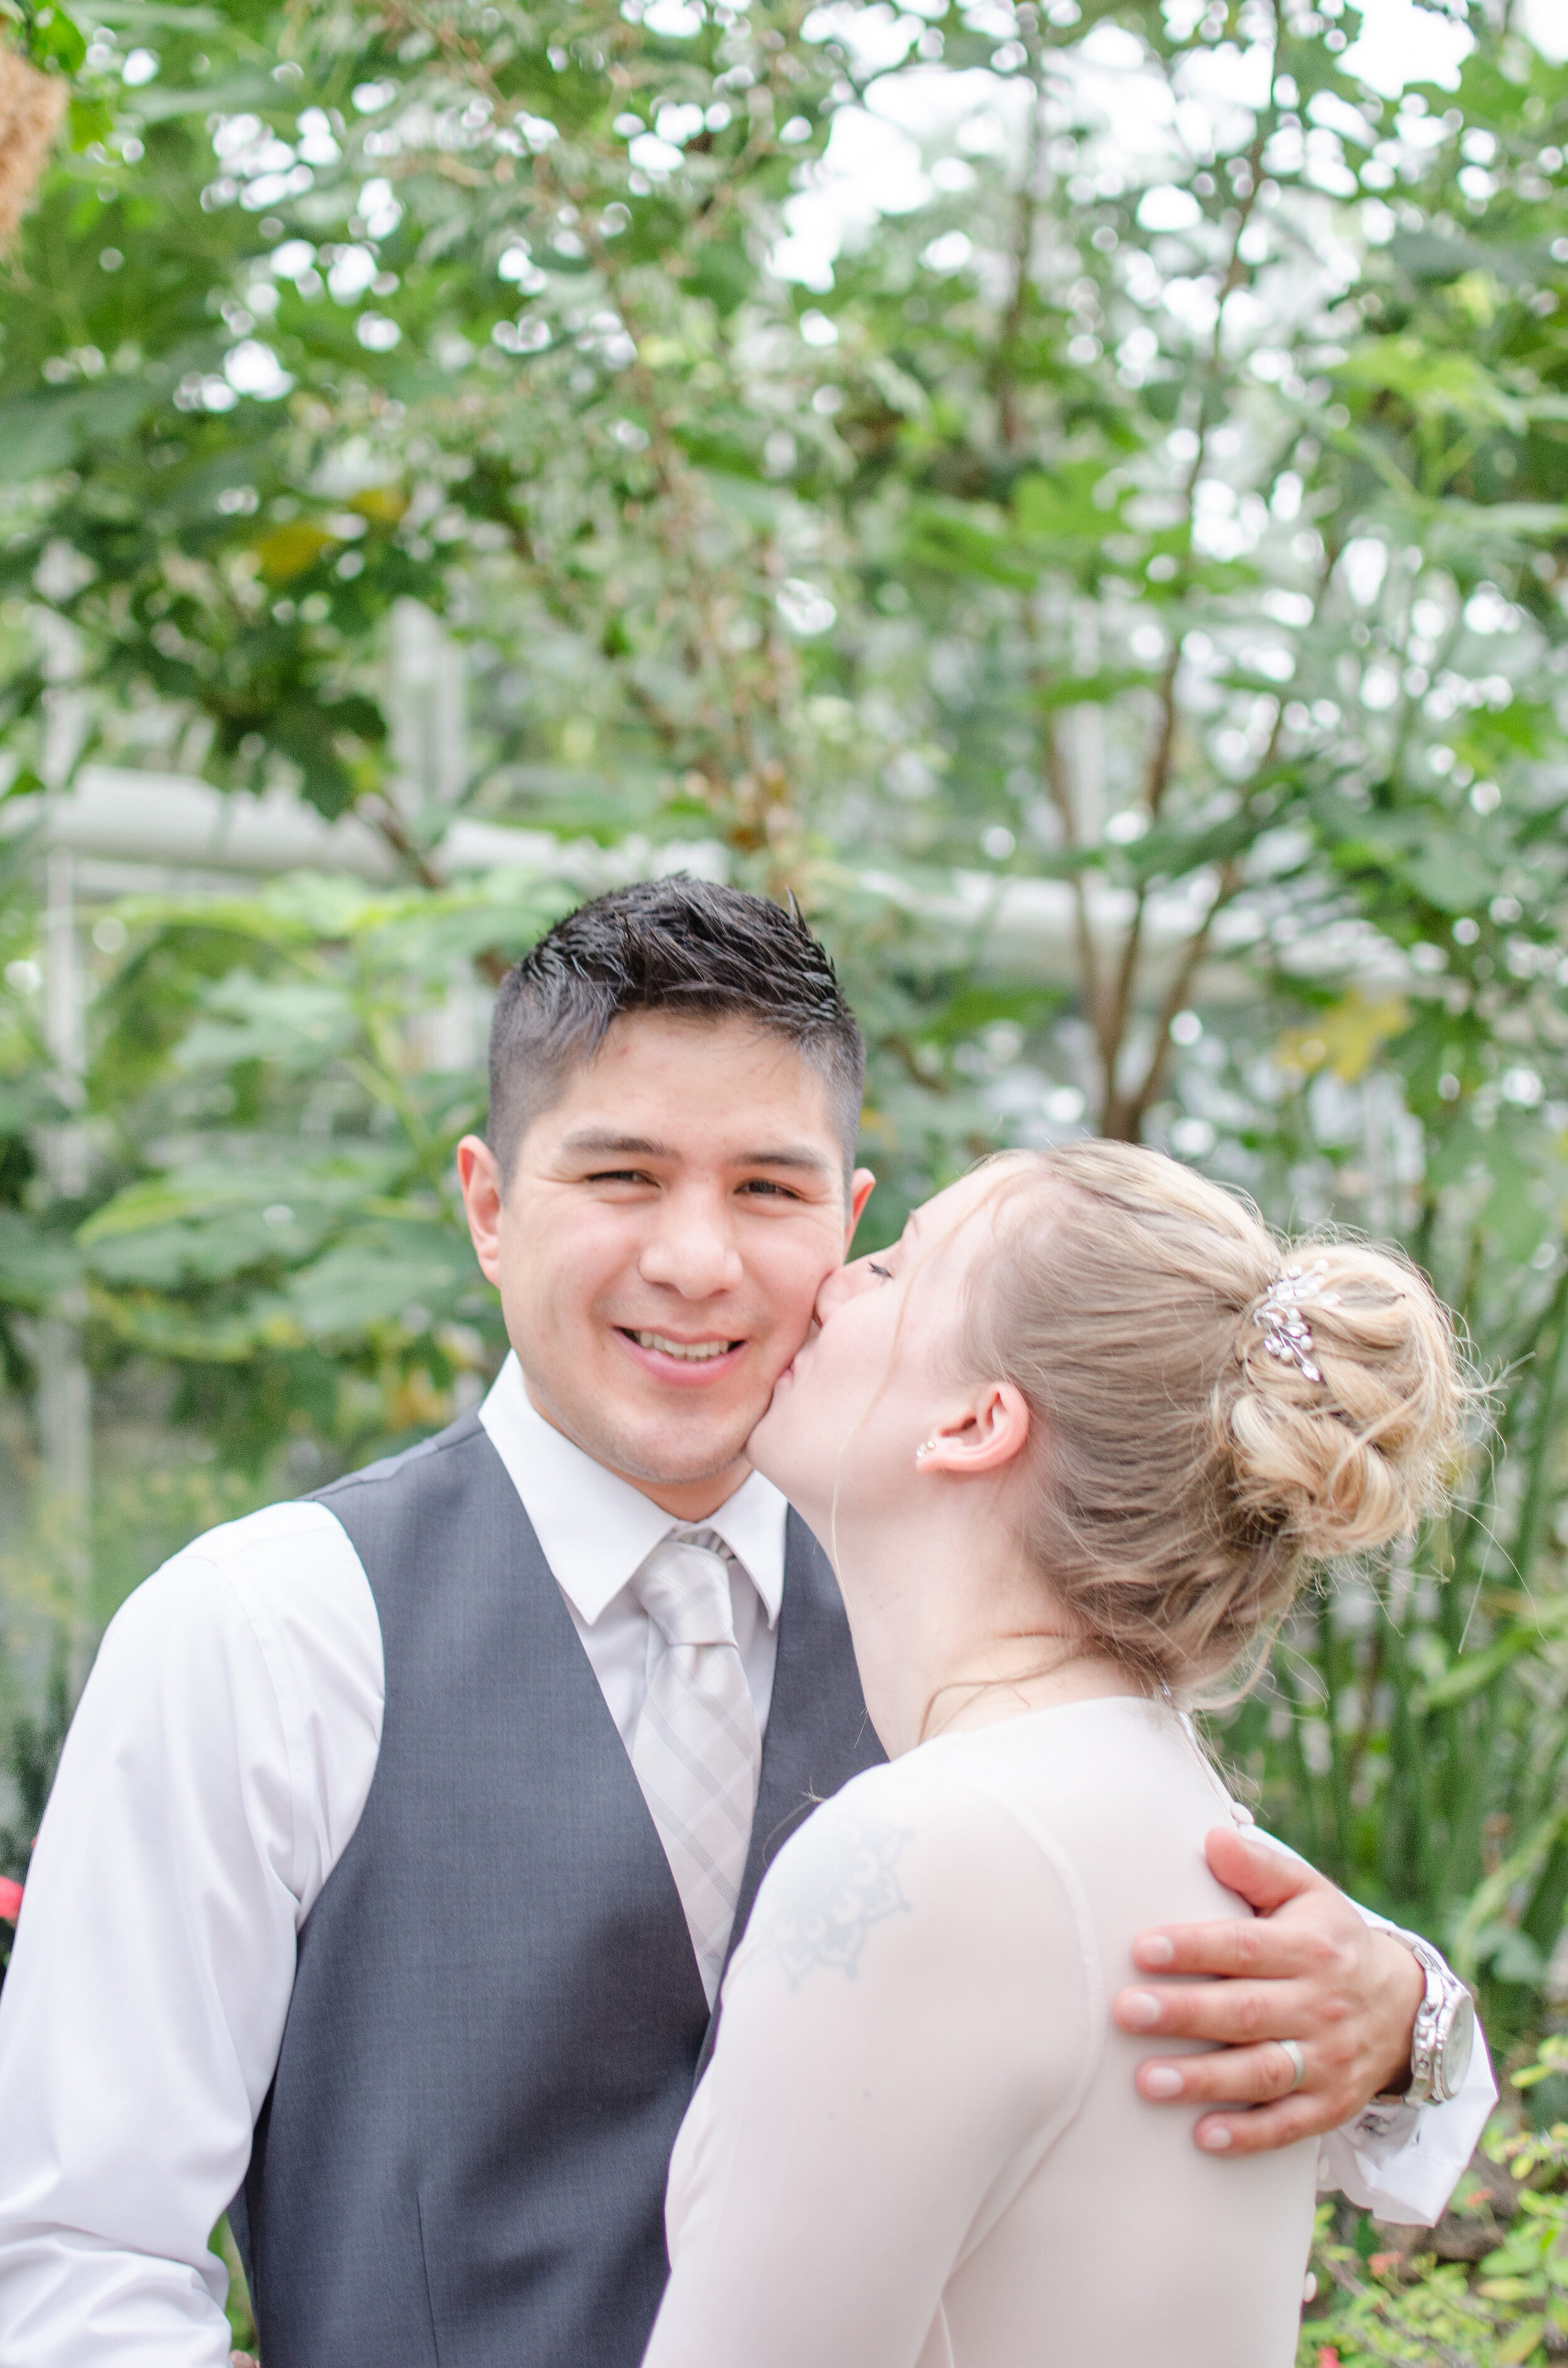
(683, 1587)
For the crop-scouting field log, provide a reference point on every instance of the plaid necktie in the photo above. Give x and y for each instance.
(697, 1750)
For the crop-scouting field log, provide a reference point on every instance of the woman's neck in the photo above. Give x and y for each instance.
(952, 1629)
(1022, 1674)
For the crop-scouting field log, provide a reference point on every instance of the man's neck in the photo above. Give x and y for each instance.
(684, 1500)
(690, 1500)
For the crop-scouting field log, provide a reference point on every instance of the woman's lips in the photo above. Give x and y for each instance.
(792, 1370)
(688, 1364)
(807, 1345)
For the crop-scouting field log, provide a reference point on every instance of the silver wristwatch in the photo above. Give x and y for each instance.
(1445, 2030)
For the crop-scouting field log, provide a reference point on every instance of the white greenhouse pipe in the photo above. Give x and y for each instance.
(114, 816)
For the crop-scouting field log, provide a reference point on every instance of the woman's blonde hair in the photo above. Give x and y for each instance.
(1186, 1476)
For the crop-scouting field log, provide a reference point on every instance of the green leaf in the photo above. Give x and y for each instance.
(54, 38)
(1434, 383)
(43, 433)
(90, 120)
(1447, 876)
(374, 1276)
(1514, 1212)
(35, 1267)
(950, 542)
(725, 274)
(156, 103)
(36, 437)
(294, 1021)
(1097, 690)
(1522, 2343)
(143, 17)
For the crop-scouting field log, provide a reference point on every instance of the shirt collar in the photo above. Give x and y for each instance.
(596, 1530)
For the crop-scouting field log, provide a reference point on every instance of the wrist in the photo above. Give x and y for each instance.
(1443, 2031)
(1407, 1990)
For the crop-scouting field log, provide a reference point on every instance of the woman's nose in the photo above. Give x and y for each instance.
(844, 1282)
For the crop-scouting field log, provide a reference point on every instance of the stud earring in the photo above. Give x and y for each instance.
(925, 1449)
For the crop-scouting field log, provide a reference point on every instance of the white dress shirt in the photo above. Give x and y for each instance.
(213, 1776)
(597, 1529)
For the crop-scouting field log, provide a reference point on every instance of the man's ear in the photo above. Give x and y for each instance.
(862, 1184)
(479, 1179)
(986, 1432)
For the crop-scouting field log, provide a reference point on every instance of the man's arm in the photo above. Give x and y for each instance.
(1313, 1968)
(200, 1802)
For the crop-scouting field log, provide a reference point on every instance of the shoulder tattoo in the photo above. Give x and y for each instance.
(821, 1904)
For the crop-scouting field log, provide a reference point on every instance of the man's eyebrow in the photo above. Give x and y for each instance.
(604, 1139)
(796, 1156)
(605, 1142)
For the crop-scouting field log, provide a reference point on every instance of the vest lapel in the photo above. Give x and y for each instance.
(614, 1779)
(819, 1734)
(511, 1562)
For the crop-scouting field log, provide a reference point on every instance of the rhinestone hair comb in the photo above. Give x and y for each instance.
(1286, 1332)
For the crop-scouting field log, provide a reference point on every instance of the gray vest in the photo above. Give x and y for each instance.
(496, 2016)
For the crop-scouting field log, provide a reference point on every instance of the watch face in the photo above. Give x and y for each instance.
(1453, 2055)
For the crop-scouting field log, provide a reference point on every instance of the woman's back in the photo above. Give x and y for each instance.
(919, 2143)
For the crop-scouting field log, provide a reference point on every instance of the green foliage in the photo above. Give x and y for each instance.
(1393, 2309)
(1122, 597)
(32, 1755)
(299, 1253)
(1378, 2302)
(50, 37)
(242, 2319)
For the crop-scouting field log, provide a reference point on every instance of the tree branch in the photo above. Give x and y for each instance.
(1125, 1113)
(1003, 379)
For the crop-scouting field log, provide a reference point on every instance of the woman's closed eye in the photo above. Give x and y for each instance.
(882, 1271)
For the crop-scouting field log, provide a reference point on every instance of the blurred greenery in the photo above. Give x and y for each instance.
(1120, 592)
(1487, 2288)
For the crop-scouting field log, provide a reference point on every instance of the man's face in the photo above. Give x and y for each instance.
(659, 1248)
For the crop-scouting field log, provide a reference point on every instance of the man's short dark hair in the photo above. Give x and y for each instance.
(679, 946)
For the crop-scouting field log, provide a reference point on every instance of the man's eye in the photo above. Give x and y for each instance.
(763, 1184)
(618, 1176)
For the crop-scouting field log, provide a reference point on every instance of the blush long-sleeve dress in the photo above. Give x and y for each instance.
(919, 2144)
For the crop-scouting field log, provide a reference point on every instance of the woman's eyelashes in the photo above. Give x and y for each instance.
(880, 1270)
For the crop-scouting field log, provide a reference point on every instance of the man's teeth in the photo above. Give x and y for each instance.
(696, 1352)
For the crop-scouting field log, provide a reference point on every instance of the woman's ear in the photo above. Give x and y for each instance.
(989, 1431)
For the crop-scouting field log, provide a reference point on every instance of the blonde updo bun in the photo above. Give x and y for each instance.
(1355, 1459)
(1186, 1476)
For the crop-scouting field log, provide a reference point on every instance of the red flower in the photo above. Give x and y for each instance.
(10, 1899)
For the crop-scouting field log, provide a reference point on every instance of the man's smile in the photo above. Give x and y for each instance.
(697, 1352)
(685, 1362)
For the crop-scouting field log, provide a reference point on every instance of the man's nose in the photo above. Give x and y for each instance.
(691, 1250)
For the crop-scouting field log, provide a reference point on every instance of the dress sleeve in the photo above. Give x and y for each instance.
(910, 2023)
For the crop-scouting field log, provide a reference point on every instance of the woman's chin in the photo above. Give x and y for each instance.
(758, 1445)
(768, 1448)
(803, 1477)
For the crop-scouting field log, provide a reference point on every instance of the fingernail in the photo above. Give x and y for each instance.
(1162, 2082)
(1215, 2138)
(1154, 1951)
(1140, 2011)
